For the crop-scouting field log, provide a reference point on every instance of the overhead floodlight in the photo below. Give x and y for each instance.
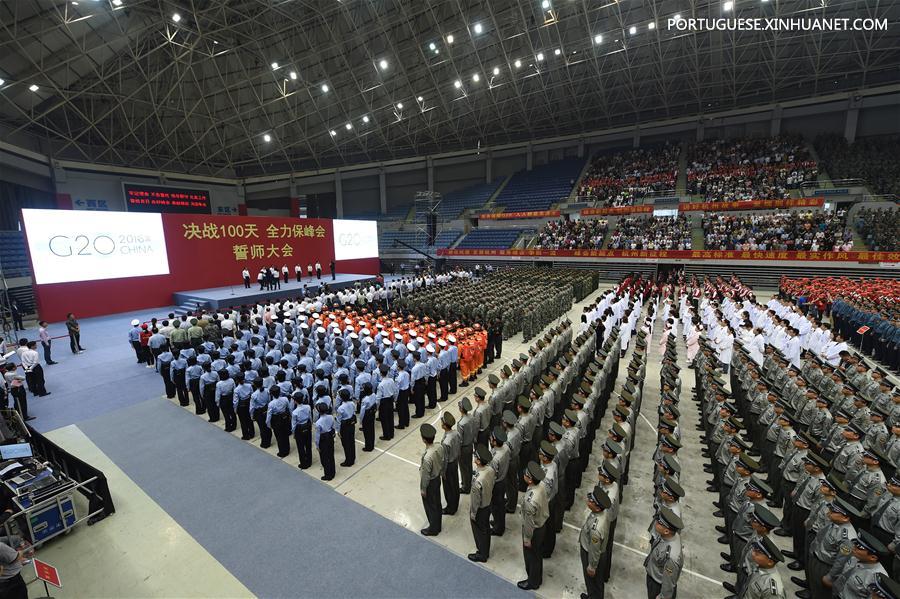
(540, 56)
(432, 46)
(677, 17)
(632, 30)
(651, 25)
(478, 28)
(420, 99)
(33, 87)
(365, 118)
(399, 105)
(2, 81)
(325, 88)
(476, 77)
(728, 6)
(598, 39)
(293, 75)
(349, 126)
(333, 132)
(267, 138)
(557, 52)
(457, 84)
(545, 4)
(383, 64)
(117, 2)
(176, 17)
(450, 39)
(518, 64)
(274, 66)
(496, 71)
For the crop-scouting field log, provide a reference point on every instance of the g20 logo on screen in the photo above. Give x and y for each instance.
(66, 246)
(349, 239)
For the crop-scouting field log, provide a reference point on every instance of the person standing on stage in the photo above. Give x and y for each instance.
(45, 342)
(298, 272)
(16, 315)
(309, 269)
(34, 373)
(333, 273)
(318, 269)
(285, 274)
(245, 274)
(74, 333)
(261, 279)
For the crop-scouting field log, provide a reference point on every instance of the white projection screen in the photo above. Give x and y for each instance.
(75, 245)
(355, 239)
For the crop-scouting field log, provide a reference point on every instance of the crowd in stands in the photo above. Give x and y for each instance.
(651, 233)
(625, 178)
(879, 228)
(749, 169)
(807, 231)
(875, 159)
(565, 234)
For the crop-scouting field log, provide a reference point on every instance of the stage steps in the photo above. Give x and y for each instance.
(191, 305)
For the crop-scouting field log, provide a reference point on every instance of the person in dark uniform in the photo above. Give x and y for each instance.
(333, 273)
(278, 418)
(535, 516)
(179, 378)
(325, 430)
(301, 424)
(368, 405)
(208, 381)
(402, 407)
(225, 400)
(346, 415)
(450, 480)
(242, 393)
(480, 505)
(16, 316)
(430, 480)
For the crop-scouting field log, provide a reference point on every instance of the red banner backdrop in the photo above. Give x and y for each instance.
(525, 214)
(751, 205)
(204, 251)
(682, 255)
(641, 209)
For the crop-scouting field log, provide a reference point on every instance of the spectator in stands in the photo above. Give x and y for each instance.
(749, 169)
(879, 228)
(572, 234)
(626, 178)
(807, 231)
(651, 233)
(873, 159)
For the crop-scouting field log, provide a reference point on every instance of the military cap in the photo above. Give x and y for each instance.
(671, 441)
(735, 423)
(805, 437)
(499, 435)
(483, 454)
(480, 392)
(671, 464)
(856, 429)
(537, 390)
(764, 516)
(873, 453)
(619, 430)
(509, 418)
(609, 470)
(524, 402)
(465, 404)
(835, 483)
(765, 546)
(548, 449)
(506, 370)
(868, 542)
(671, 486)
(885, 587)
(759, 486)
(577, 401)
(571, 416)
(612, 447)
(448, 419)
(557, 429)
(728, 407)
(675, 412)
(626, 397)
(547, 380)
(621, 411)
(842, 506)
(739, 443)
(816, 460)
(428, 431)
(535, 472)
(516, 364)
(598, 497)
(669, 519)
(493, 379)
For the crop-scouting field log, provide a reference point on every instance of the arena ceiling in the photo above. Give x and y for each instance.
(250, 87)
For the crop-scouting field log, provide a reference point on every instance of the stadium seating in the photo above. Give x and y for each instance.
(651, 233)
(625, 178)
(587, 233)
(875, 159)
(540, 187)
(809, 231)
(386, 240)
(498, 239)
(13, 256)
(475, 196)
(879, 228)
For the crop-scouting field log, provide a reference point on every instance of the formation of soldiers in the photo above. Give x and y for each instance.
(505, 301)
(819, 439)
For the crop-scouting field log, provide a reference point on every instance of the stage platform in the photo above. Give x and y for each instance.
(222, 297)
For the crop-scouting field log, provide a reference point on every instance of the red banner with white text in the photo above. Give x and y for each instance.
(864, 257)
(615, 210)
(751, 205)
(523, 214)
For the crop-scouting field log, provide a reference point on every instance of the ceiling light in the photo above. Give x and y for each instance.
(267, 138)
(457, 84)
(349, 126)
(2, 81)
(557, 52)
(274, 66)
(333, 132)
(476, 77)
(325, 88)
(598, 39)
(33, 87)
(518, 64)
(540, 56)
(176, 17)
(383, 64)
(437, 51)
(545, 4)
(677, 17)
(651, 25)
(293, 75)
(399, 105)
(728, 6)
(420, 99)
(117, 2)
(496, 71)
(366, 119)
(74, 4)
(431, 46)
(478, 28)
(632, 30)
(450, 39)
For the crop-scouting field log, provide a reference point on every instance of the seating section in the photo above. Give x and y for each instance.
(651, 233)
(396, 213)
(13, 255)
(875, 159)
(625, 178)
(879, 228)
(496, 239)
(749, 169)
(540, 187)
(808, 231)
(454, 203)
(587, 233)
(386, 240)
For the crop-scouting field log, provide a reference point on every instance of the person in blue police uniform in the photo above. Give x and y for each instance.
(225, 400)
(368, 405)
(278, 418)
(402, 407)
(346, 415)
(301, 425)
(259, 407)
(242, 394)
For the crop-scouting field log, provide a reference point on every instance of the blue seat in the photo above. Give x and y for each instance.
(497, 239)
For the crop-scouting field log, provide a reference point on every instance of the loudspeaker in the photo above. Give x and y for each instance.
(432, 228)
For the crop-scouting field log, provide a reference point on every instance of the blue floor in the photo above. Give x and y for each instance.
(279, 532)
